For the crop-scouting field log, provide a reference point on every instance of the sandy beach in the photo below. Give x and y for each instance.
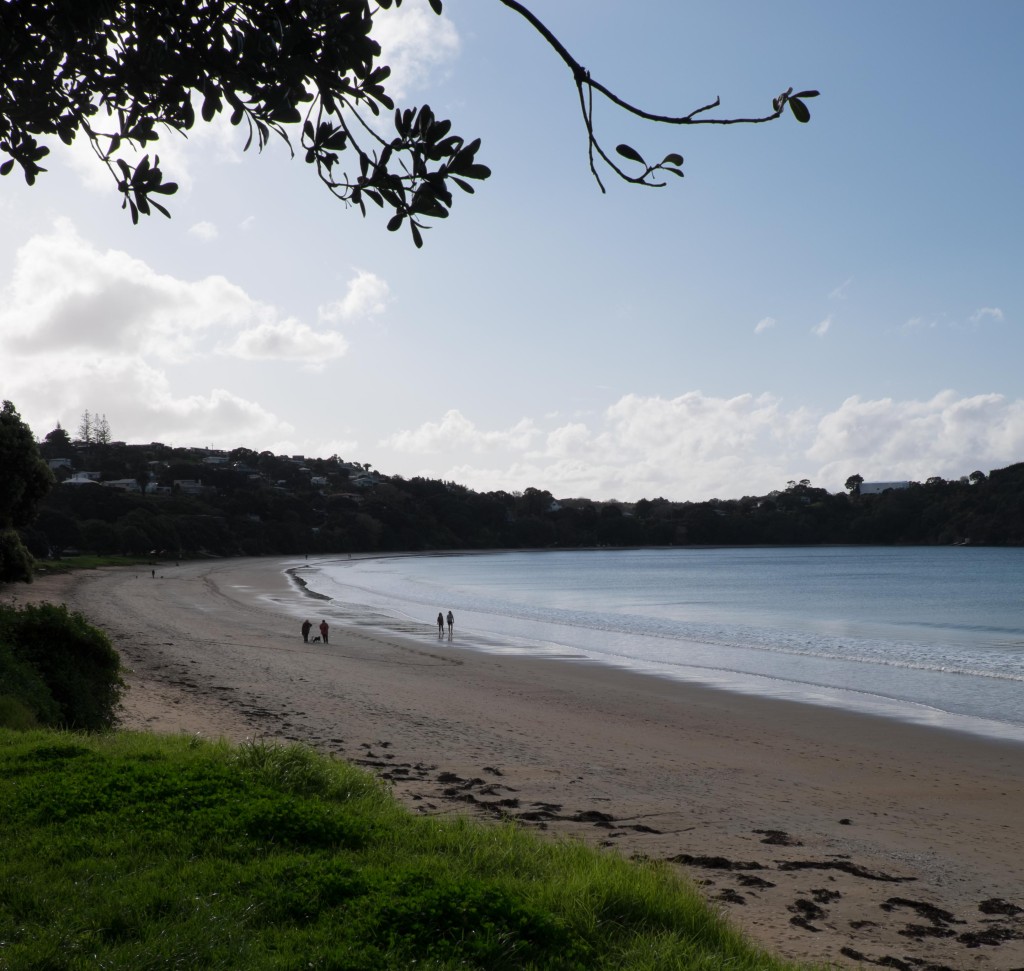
(826, 836)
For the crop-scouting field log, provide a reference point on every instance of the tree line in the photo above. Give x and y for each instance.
(257, 503)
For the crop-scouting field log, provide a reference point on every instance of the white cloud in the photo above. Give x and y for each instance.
(920, 323)
(64, 293)
(568, 441)
(367, 295)
(986, 313)
(947, 435)
(415, 43)
(698, 447)
(454, 430)
(218, 419)
(84, 328)
(822, 328)
(139, 401)
(841, 291)
(978, 318)
(765, 323)
(205, 230)
(286, 340)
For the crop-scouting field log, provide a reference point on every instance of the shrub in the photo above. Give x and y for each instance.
(15, 715)
(74, 660)
(25, 700)
(15, 560)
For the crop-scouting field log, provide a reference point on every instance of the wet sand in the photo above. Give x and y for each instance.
(826, 836)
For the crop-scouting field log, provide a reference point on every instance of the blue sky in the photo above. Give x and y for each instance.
(811, 301)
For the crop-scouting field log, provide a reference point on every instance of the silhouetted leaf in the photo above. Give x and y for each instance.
(806, 94)
(210, 105)
(800, 110)
(672, 159)
(7, 166)
(627, 151)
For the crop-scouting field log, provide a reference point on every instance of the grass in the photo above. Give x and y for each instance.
(88, 561)
(131, 852)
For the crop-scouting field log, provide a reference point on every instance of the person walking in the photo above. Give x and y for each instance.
(323, 630)
(451, 624)
(440, 625)
(306, 628)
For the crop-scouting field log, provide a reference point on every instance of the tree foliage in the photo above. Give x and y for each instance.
(24, 480)
(65, 669)
(121, 73)
(58, 441)
(265, 504)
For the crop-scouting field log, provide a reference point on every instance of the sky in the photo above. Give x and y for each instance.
(809, 302)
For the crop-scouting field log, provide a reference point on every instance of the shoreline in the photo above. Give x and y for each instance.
(824, 835)
(745, 683)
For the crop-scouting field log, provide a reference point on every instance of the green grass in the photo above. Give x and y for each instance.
(134, 852)
(87, 561)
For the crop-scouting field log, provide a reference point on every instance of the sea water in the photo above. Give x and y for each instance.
(932, 635)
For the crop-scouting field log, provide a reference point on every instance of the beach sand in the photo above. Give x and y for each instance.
(825, 836)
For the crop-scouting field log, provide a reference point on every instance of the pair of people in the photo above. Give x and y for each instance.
(440, 624)
(307, 627)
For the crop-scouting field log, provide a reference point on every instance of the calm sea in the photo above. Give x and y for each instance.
(932, 635)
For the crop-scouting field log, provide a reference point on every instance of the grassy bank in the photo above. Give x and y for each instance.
(131, 851)
(87, 561)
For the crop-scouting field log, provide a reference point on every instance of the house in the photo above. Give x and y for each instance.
(189, 487)
(125, 485)
(59, 464)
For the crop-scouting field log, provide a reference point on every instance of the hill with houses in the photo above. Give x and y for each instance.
(157, 499)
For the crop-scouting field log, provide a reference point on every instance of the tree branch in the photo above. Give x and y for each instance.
(584, 80)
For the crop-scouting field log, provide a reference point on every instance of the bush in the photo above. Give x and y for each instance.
(15, 560)
(25, 700)
(15, 715)
(75, 661)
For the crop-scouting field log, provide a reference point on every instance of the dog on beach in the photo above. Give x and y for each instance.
(316, 640)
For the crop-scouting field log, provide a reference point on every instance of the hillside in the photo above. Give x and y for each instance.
(157, 499)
